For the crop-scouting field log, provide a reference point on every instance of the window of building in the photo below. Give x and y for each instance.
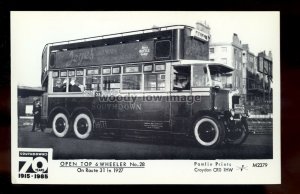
(212, 50)
(154, 82)
(224, 49)
(250, 58)
(28, 109)
(237, 82)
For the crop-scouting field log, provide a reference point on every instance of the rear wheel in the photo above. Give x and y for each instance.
(60, 125)
(82, 126)
(208, 132)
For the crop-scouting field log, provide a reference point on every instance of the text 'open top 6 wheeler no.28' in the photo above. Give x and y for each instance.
(155, 81)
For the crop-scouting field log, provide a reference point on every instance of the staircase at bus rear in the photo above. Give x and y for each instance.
(260, 125)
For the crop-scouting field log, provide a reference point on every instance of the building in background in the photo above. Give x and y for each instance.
(26, 97)
(230, 53)
(252, 75)
(265, 68)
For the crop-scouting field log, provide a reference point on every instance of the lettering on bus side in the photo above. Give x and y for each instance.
(153, 125)
(101, 124)
(117, 106)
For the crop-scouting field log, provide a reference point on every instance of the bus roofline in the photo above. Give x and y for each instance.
(189, 62)
(121, 34)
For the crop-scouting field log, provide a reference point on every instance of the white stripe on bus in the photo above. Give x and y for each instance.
(78, 95)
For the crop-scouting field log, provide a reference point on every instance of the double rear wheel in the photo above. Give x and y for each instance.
(82, 125)
(60, 125)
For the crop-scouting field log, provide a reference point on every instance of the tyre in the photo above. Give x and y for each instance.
(82, 126)
(208, 132)
(239, 136)
(60, 125)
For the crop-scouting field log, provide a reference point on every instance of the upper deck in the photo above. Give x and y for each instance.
(167, 43)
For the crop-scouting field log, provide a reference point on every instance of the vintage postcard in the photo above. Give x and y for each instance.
(145, 97)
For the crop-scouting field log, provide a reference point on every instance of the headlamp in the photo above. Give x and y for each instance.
(232, 112)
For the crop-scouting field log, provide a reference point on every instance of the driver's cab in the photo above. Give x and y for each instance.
(218, 73)
(190, 74)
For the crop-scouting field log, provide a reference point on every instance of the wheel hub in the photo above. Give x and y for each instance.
(60, 125)
(207, 132)
(82, 126)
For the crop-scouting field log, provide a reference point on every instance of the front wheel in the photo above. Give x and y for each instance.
(82, 126)
(208, 132)
(238, 135)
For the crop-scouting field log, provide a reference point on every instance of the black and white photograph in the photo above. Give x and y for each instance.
(145, 97)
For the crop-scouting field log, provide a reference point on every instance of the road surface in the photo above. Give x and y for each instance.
(255, 147)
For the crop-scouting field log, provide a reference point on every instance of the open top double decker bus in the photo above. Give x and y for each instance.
(156, 81)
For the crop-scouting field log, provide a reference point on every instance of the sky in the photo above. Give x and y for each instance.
(31, 31)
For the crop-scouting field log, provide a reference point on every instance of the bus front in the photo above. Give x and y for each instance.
(226, 120)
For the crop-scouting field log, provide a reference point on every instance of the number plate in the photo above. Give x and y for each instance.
(239, 109)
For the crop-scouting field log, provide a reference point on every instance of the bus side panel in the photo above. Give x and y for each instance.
(54, 102)
(129, 114)
(156, 114)
(181, 112)
(184, 112)
(138, 115)
(44, 114)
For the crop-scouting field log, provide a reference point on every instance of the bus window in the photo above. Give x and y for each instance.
(76, 84)
(59, 84)
(79, 72)
(55, 74)
(111, 82)
(116, 70)
(93, 80)
(154, 82)
(71, 73)
(93, 83)
(181, 77)
(200, 77)
(132, 82)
